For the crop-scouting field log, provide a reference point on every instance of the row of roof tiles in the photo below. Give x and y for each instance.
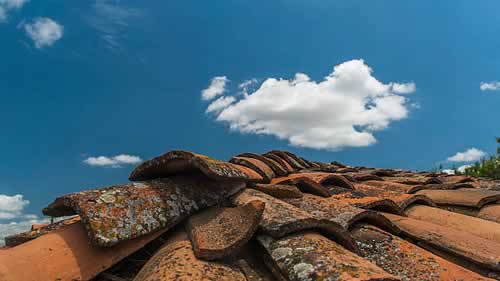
(309, 220)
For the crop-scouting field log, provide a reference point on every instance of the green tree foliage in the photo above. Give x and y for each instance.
(489, 168)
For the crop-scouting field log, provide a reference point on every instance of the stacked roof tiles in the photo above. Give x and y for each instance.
(272, 216)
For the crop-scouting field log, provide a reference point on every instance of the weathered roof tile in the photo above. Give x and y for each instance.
(175, 162)
(311, 256)
(278, 190)
(475, 198)
(123, 212)
(219, 232)
(405, 260)
(258, 166)
(177, 261)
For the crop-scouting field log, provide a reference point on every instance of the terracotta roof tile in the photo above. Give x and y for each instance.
(278, 190)
(463, 244)
(481, 228)
(490, 212)
(339, 212)
(176, 162)
(405, 260)
(219, 232)
(364, 215)
(123, 212)
(281, 218)
(291, 159)
(304, 184)
(475, 198)
(64, 254)
(284, 164)
(176, 261)
(258, 166)
(311, 256)
(275, 166)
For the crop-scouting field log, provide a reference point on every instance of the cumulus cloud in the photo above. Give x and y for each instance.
(489, 86)
(114, 161)
(462, 168)
(342, 110)
(12, 206)
(220, 103)
(216, 88)
(470, 155)
(44, 32)
(9, 5)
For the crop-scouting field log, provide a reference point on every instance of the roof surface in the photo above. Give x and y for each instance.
(271, 216)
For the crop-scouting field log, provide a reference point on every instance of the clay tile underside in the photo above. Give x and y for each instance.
(265, 217)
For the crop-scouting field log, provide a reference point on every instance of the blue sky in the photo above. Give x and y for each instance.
(109, 78)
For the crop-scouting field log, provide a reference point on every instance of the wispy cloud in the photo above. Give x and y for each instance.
(114, 162)
(216, 88)
(489, 86)
(44, 32)
(343, 110)
(470, 155)
(8, 5)
(111, 19)
(12, 206)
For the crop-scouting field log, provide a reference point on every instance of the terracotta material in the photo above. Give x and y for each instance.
(248, 271)
(479, 227)
(175, 162)
(311, 256)
(405, 260)
(389, 187)
(219, 232)
(457, 179)
(475, 198)
(461, 244)
(442, 186)
(299, 160)
(339, 212)
(372, 203)
(490, 212)
(279, 190)
(258, 166)
(367, 177)
(123, 212)
(284, 164)
(275, 166)
(64, 254)
(286, 156)
(281, 218)
(38, 226)
(176, 261)
(37, 231)
(304, 184)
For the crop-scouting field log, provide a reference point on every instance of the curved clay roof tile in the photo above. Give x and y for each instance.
(179, 162)
(311, 256)
(123, 212)
(258, 166)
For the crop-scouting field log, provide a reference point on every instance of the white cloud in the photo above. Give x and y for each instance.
(343, 110)
(461, 169)
(470, 155)
(8, 5)
(216, 88)
(113, 162)
(404, 88)
(489, 86)
(44, 32)
(220, 103)
(7, 229)
(12, 206)
(448, 171)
